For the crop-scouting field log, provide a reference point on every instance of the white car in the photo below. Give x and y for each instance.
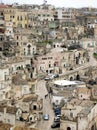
(51, 76)
(46, 78)
(46, 117)
(56, 119)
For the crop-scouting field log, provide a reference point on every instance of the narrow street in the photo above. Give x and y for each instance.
(47, 107)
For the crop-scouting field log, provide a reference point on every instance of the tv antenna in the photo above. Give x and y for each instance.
(44, 2)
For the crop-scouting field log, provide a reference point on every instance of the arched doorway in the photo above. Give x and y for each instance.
(71, 78)
(77, 77)
(68, 128)
(31, 75)
(92, 128)
(29, 49)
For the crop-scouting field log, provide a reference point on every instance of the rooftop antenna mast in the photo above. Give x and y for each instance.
(44, 2)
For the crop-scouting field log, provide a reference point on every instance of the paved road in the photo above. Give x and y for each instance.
(42, 91)
(47, 107)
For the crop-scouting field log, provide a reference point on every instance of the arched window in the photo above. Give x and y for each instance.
(18, 18)
(71, 78)
(21, 18)
(34, 107)
(31, 61)
(78, 77)
(17, 37)
(31, 75)
(29, 49)
(93, 127)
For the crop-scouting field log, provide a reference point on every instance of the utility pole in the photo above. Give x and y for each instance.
(44, 3)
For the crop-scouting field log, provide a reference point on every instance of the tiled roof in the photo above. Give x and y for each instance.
(9, 109)
(84, 112)
(23, 128)
(32, 80)
(4, 126)
(75, 102)
(30, 98)
(87, 103)
(82, 103)
(83, 90)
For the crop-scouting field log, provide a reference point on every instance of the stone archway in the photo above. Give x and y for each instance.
(68, 128)
(31, 75)
(71, 78)
(93, 127)
(77, 77)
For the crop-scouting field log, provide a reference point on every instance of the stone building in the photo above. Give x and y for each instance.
(64, 14)
(79, 115)
(87, 43)
(9, 29)
(8, 114)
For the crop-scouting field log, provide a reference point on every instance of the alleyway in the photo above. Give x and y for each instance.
(47, 107)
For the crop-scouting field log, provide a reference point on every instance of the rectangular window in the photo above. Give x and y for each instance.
(48, 15)
(49, 65)
(8, 120)
(30, 118)
(49, 57)
(44, 58)
(71, 115)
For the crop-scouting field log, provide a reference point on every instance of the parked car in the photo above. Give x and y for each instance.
(56, 106)
(57, 109)
(46, 78)
(92, 82)
(57, 113)
(56, 76)
(57, 119)
(55, 125)
(46, 117)
(51, 76)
